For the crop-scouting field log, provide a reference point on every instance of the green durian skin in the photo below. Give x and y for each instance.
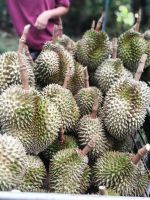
(125, 107)
(93, 49)
(85, 99)
(34, 176)
(109, 72)
(116, 171)
(10, 70)
(47, 68)
(18, 107)
(66, 104)
(44, 129)
(88, 128)
(13, 162)
(131, 46)
(69, 172)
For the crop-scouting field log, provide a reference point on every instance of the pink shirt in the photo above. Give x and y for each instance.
(25, 12)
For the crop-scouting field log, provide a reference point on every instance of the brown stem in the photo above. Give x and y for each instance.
(93, 25)
(23, 68)
(114, 48)
(99, 23)
(55, 34)
(86, 77)
(29, 55)
(140, 154)
(89, 146)
(103, 190)
(138, 21)
(67, 77)
(62, 136)
(95, 108)
(140, 68)
(60, 28)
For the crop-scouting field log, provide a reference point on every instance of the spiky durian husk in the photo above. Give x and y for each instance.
(141, 185)
(65, 58)
(125, 107)
(125, 145)
(47, 68)
(88, 128)
(92, 49)
(116, 171)
(77, 81)
(69, 172)
(70, 142)
(131, 46)
(67, 43)
(34, 176)
(13, 162)
(44, 129)
(109, 72)
(66, 104)
(10, 70)
(18, 107)
(85, 99)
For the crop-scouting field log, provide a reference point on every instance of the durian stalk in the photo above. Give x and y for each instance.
(138, 22)
(23, 68)
(140, 154)
(103, 190)
(29, 55)
(55, 34)
(99, 23)
(88, 147)
(93, 25)
(62, 136)
(67, 77)
(95, 108)
(114, 48)
(60, 28)
(86, 77)
(140, 68)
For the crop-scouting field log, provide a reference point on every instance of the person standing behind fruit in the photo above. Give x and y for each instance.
(41, 14)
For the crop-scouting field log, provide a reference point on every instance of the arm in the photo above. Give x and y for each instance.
(43, 18)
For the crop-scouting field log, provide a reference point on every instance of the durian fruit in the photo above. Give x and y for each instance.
(131, 46)
(69, 170)
(44, 129)
(125, 105)
(10, 70)
(47, 67)
(93, 48)
(34, 176)
(60, 61)
(65, 102)
(86, 97)
(17, 103)
(18, 107)
(77, 81)
(120, 172)
(110, 71)
(13, 162)
(69, 142)
(91, 126)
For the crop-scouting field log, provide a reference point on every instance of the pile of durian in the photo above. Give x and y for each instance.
(68, 117)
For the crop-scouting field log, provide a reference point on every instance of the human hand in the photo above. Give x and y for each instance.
(42, 20)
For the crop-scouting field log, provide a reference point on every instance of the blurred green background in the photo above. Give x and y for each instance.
(120, 17)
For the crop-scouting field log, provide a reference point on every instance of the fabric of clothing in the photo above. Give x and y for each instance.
(25, 12)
